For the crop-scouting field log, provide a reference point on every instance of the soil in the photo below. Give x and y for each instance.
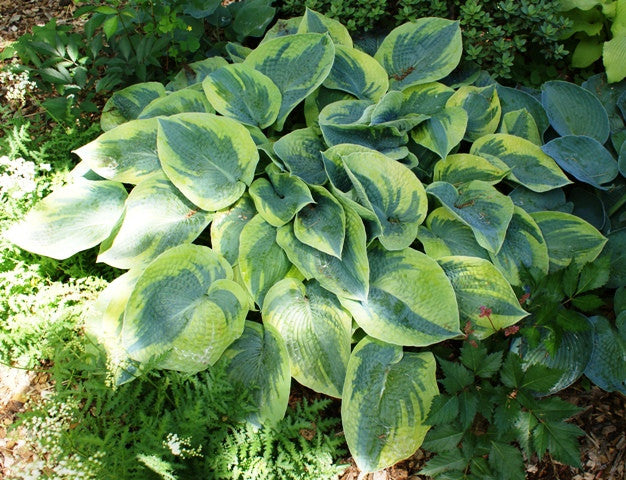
(603, 449)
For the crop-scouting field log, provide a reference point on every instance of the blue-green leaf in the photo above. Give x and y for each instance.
(300, 151)
(190, 99)
(483, 109)
(127, 104)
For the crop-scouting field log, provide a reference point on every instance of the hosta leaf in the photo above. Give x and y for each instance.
(572, 110)
(480, 206)
(189, 99)
(485, 298)
(615, 250)
(521, 124)
(282, 28)
(72, 218)
(279, 198)
(157, 217)
(357, 73)
(456, 236)
(607, 365)
(347, 277)
(512, 99)
(210, 159)
(410, 301)
(389, 190)
(261, 261)
(427, 99)
(538, 202)
(584, 158)
(196, 72)
(386, 398)
(185, 309)
(316, 101)
(126, 153)
(240, 92)
(390, 111)
(347, 121)
(420, 52)
(237, 52)
(314, 22)
(569, 239)
(529, 165)
(297, 64)
(258, 362)
(462, 168)
(317, 332)
(227, 226)
(523, 248)
(322, 224)
(443, 131)
(483, 109)
(300, 151)
(614, 57)
(127, 104)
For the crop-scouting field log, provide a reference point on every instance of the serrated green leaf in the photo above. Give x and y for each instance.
(560, 439)
(410, 300)
(587, 303)
(156, 217)
(210, 159)
(75, 217)
(443, 438)
(438, 466)
(200, 310)
(456, 377)
(443, 410)
(507, 461)
(386, 397)
(317, 332)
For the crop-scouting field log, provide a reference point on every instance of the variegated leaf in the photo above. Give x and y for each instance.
(462, 168)
(127, 104)
(483, 109)
(357, 73)
(443, 131)
(227, 225)
(314, 22)
(191, 99)
(300, 151)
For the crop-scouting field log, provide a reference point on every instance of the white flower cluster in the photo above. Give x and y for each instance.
(17, 86)
(51, 456)
(181, 447)
(17, 176)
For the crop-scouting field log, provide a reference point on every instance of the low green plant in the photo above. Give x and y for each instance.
(490, 417)
(599, 29)
(337, 217)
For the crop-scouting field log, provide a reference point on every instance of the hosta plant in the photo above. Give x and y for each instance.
(310, 211)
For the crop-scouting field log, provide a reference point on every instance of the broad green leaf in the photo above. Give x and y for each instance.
(237, 52)
(189, 99)
(390, 111)
(587, 51)
(614, 57)
(317, 332)
(485, 298)
(572, 110)
(210, 159)
(227, 226)
(348, 121)
(607, 365)
(420, 52)
(443, 131)
(615, 250)
(127, 104)
(410, 301)
(427, 99)
(346, 277)
(523, 248)
(157, 217)
(282, 28)
(480, 206)
(280, 197)
(449, 236)
(357, 73)
(314, 22)
(126, 153)
(569, 238)
(300, 151)
(386, 398)
(392, 192)
(462, 168)
(240, 92)
(529, 165)
(297, 64)
(75, 217)
(483, 109)
(521, 124)
(185, 310)
(259, 363)
(316, 101)
(539, 202)
(261, 261)
(196, 72)
(512, 99)
(584, 158)
(322, 223)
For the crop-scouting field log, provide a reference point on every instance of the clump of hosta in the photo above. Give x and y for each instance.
(267, 208)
